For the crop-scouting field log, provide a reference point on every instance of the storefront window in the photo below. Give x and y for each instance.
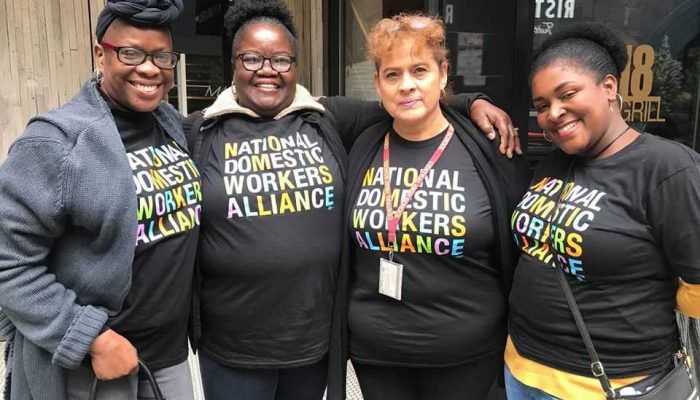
(205, 77)
(361, 15)
(197, 34)
(661, 84)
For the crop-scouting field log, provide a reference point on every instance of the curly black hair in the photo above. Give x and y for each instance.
(245, 12)
(592, 46)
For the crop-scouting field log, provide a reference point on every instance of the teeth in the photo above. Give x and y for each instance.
(145, 88)
(266, 85)
(568, 126)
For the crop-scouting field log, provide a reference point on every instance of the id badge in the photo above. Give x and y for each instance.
(390, 278)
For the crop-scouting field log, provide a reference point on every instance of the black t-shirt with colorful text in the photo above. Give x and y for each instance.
(156, 310)
(453, 307)
(625, 230)
(271, 242)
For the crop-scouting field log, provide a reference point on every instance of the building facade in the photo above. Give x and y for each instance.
(491, 45)
(46, 53)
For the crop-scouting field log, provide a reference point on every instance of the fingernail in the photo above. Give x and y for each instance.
(491, 135)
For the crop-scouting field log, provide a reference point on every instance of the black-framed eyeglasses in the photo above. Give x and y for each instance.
(254, 62)
(134, 56)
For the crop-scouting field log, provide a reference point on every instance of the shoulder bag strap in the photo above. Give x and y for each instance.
(596, 365)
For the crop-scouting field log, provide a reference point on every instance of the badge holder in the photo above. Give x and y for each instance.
(390, 277)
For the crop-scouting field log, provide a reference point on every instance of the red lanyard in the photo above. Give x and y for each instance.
(393, 217)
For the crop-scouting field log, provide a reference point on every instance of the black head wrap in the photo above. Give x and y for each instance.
(145, 13)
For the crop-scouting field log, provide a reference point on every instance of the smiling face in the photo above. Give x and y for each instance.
(265, 91)
(573, 107)
(141, 87)
(409, 81)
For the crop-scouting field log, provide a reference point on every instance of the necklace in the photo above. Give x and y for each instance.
(619, 135)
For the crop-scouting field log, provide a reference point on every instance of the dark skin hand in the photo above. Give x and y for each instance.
(492, 119)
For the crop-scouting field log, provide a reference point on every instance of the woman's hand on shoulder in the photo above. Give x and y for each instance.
(492, 119)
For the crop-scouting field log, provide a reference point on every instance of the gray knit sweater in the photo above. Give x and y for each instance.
(67, 238)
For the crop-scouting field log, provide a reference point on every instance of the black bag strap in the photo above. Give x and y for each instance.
(596, 366)
(157, 394)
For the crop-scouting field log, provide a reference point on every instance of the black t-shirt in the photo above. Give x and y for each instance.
(271, 241)
(156, 310)
(626, 229)
(453, 307)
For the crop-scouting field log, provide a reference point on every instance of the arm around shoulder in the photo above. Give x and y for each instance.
(353, 116)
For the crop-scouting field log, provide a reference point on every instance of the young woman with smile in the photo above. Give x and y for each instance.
(431, 267)
(617, 212)
(573, 107)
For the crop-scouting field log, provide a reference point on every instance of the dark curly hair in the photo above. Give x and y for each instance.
(245, 12)
(592, 46)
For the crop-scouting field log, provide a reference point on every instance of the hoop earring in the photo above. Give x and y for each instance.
(618, 98)
(380, 104)
(98, 75)
(547, 138)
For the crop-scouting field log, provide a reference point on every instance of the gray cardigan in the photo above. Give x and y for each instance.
(67, 239)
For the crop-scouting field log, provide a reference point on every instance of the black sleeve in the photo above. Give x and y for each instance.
(191, 125)
(673, 211)
(462, 102)
(353, 116)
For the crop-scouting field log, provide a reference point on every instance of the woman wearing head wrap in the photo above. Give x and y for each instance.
(273, 175)
(617, 212)
(99, 223)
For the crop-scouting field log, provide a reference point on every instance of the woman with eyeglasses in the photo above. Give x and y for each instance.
(99, 224)
(429, 202)
(273, 183)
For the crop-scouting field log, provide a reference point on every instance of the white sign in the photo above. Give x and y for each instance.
(554, 9)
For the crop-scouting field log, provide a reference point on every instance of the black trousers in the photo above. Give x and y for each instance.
(470, 381)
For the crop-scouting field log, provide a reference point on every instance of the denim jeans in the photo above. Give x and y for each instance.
(516, 390)
(227, 383)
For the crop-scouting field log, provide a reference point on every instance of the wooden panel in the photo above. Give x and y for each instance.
(316, 45)
(46, 49)
(95, 7)
(308, 18)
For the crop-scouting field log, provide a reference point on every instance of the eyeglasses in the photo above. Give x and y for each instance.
(134, 56)
(254, 62)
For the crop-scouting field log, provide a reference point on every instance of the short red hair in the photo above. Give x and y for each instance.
(427, 32)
